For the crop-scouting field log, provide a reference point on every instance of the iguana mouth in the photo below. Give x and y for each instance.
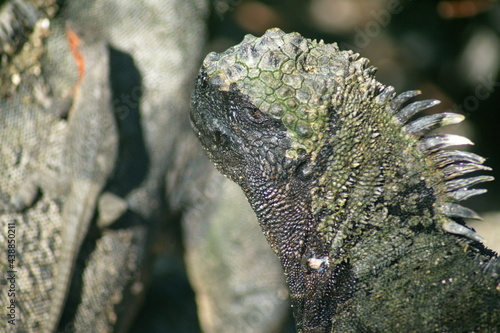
(212, 135)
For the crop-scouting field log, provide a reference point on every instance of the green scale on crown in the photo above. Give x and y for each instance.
(290, 78)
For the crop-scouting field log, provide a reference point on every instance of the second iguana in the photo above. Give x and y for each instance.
(358, 201)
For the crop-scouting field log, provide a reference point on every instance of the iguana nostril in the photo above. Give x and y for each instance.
(220, 139)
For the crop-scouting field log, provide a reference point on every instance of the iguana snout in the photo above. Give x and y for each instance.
(242, 141)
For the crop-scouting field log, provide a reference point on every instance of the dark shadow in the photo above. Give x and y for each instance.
(127, 90)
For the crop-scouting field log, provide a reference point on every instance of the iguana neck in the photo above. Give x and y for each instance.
(289, 225)
(366, 171)
(284, 213)
(372, 170)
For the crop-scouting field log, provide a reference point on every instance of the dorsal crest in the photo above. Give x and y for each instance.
(451, 164)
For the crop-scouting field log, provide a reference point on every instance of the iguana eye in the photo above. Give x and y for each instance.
(255, 114)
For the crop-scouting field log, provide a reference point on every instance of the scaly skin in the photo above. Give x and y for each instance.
(358, 207)
(90, 155)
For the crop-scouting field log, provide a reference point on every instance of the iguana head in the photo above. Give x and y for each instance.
(241, 140)
(283, 109)
(275, 97)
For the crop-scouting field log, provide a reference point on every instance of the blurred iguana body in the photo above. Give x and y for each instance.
(70, 273)
(358, 202)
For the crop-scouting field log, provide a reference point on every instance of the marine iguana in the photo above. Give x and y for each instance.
(159, 164)
(358, 201)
